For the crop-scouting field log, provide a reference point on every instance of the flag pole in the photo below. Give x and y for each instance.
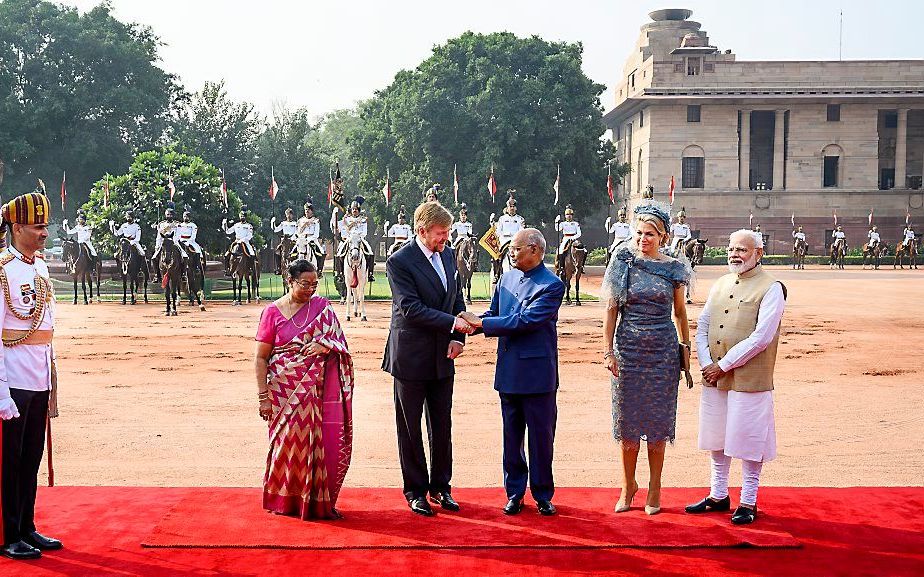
(49, 452)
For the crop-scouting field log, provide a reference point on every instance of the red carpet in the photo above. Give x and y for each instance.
(376, 519)
(857, 531)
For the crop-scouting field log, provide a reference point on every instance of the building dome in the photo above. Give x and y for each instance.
(670, 14)
(692, 40)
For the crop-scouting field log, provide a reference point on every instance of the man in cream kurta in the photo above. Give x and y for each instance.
(736, 340)
(27, 318)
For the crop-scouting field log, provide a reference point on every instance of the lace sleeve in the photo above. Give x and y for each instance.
(614, 288)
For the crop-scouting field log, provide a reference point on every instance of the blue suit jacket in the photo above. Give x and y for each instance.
(523, 314)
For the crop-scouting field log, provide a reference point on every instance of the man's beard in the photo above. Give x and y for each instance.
(745, 266)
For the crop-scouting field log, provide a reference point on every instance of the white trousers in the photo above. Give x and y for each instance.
(740, 424)
(750, 478)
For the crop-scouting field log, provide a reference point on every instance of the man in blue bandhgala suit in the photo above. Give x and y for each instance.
(523, 315)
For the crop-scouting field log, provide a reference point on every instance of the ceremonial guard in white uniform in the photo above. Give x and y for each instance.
(308, 237)
(129, 230)
(165, 229)
(839, 235)
(242, 231)
(908, 235)
(873, 238)
(798, 235)
(570, 231)
(680, 233)
(28, 380)
(621, 229)
(356, 220)
(506, 226)
(462, 228)
(83, 232)
(433, 193)
(400, 231)
(289, 230)
(186, 232)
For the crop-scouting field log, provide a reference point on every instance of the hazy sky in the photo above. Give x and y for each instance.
(329, 55)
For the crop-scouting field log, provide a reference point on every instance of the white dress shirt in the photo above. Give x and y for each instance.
(768, 321)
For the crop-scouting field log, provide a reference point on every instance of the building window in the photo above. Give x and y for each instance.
(834, 113)
(830, 171)
(641, 118)
(678, 67)
(693, 111)
(693, 66)
(891, 120)
(632, 81)
(693, 174)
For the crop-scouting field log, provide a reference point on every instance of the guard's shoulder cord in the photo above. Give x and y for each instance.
(38, 314)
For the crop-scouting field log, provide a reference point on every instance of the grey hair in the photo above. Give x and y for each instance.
(534, 236)
(756, 237)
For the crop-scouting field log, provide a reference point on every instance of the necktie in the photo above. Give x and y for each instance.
(438, 266)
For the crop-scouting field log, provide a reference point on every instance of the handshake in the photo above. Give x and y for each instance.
(467, 322)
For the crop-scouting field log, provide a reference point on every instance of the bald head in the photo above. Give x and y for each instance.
(527, 249)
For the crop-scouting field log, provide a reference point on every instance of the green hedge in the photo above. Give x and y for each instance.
(786, 259)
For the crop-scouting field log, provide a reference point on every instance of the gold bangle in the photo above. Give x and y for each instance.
(608, 354)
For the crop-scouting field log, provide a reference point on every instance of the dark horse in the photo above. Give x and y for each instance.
(575, 256)
(134, 270)
(799, 250)
(287, 247)
(909, 251)
(838, 253)
(194, 277)
(466, 261)
(171, 274)
(81, 266)
(244, 269)
(695, 250)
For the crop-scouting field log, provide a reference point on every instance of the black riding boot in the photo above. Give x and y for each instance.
(277, 260)
(371, 267)
(227, 264)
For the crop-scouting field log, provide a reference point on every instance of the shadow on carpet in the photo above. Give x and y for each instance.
(232, 518)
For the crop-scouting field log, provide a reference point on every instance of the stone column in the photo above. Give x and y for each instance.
(779, 146)
(901, 149)
(744, 155)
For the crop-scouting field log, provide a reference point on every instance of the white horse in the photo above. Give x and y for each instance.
(355, 276)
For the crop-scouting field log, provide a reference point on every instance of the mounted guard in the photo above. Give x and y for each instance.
(570, 231)
(356, 220)
(130, 231)
(508, 225)
(84, 233)
(680, 233)
(243, 234)
(799, 248)
(308, 238)
(621, 230)
(401, 232)
(287, 240)
(462, 228)
(165, 229)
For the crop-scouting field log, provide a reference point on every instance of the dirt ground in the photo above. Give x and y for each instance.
(148, 400)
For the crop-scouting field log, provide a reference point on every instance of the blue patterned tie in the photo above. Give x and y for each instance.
(437, 265)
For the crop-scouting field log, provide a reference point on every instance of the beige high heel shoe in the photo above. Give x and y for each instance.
(653, 509)
(627, 502)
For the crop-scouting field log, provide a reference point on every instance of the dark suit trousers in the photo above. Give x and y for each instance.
(414, 399)
(23, 445)
(538, 413)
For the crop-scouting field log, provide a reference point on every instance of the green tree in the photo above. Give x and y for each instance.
(522, 105)
(222, 132)
(290, 149)
(144, 190)
(78, 92)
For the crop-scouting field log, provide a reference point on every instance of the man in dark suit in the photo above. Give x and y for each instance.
(523, 315)
(424, 339)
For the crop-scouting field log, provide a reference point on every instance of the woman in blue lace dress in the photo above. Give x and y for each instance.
(642, 287)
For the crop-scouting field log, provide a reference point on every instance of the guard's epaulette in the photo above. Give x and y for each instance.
(6, 258)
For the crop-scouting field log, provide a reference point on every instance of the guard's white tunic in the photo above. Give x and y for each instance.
(621, 230)
(243, 232)
(400, 232)
(680, 231)
(507, 226)
(839, 234)
(164, 229)
(461, 229)
(909, 236)
(799, 236)
(740, 424)
(570, 230)
(287, 227)
(186, 232)
(83, 233)
(132, 232)
(25, 367)
(308, 232)
(873, 237)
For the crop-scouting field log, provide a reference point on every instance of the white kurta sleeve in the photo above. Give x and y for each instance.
(702, 332)
(768, 321)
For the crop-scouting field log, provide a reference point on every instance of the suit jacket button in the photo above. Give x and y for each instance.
(721, 326)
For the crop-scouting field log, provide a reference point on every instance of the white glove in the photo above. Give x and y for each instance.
(65, 223)
(273, 222)
(112, 223)
(8, 409)
(224, 223)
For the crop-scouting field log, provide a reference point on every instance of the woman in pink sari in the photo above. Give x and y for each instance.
(305, 385)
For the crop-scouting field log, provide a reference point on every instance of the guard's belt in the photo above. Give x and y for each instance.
(39, 337)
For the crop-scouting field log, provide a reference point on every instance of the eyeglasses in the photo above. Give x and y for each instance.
(515, 248)
(737, 250)
(306, 284)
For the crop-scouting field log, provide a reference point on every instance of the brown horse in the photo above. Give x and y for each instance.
(244, 269)
(81, 266)
(909, 251)
(575, 257)
(171, 273)
(799, 250)
(194, 277)
(873, 254)
(838, 253)
(134, 270)
(286, 257)
(466, 261)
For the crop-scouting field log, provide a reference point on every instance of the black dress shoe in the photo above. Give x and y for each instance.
(445, 501)
(709, 504)
(513, 506)
(744, 515)
(420, 506)
(546, 508)
(20, 550)
(41, 542)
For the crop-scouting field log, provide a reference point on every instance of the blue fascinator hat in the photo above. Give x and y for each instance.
(657, 209)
